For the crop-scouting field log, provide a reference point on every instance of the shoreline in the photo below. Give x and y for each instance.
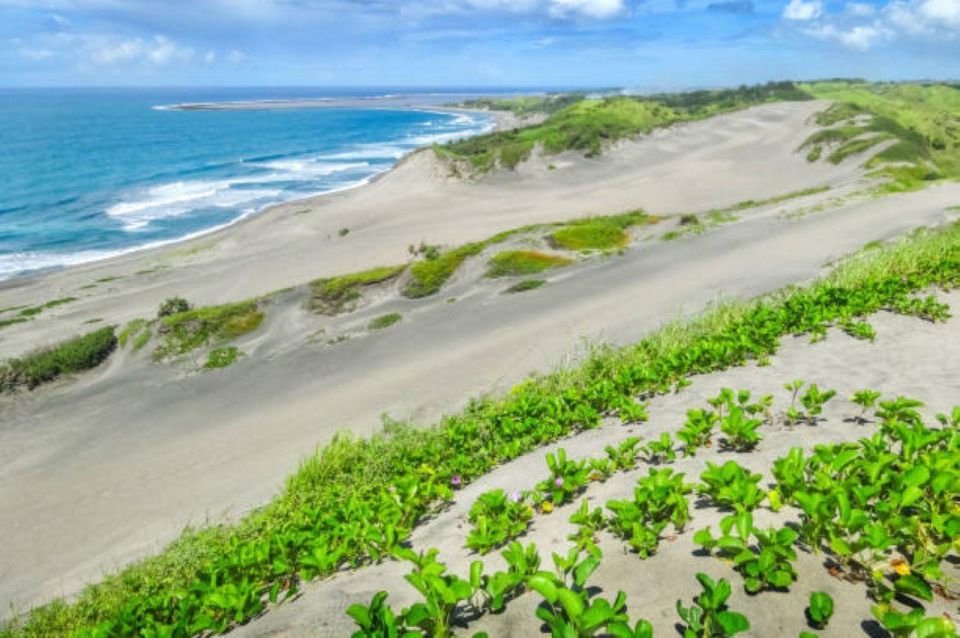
(499, 121)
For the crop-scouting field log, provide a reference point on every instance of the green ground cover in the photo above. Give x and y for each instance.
(358, 499)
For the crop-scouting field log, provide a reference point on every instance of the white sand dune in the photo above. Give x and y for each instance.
(111, 466)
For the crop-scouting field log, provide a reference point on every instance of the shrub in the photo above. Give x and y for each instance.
(173, 306)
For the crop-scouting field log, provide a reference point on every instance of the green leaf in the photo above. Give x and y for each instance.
(914, 586)
(572, 604)
(543, 584)
(733, 622)
(916, 476)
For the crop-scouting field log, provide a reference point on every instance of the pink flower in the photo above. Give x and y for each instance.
(558, 482)
(516, 497)
(455, 480)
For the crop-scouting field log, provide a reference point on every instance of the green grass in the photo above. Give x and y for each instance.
(525, 285)
(385, 321)
(428, 275)
(589, 125)
(356, 497)
(75, 355)
(334, 295)
(516, 263)
(922, 119)
(186, 331)
(221, 357)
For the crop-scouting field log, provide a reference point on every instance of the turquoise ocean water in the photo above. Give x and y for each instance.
(90, 173)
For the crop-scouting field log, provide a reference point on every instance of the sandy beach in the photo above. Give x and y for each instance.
(111, 466)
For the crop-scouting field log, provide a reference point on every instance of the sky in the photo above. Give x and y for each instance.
(644, 44)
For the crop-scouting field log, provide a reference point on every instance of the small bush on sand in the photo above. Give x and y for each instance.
(173, 306)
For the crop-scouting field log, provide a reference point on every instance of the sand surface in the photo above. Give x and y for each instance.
(112, 465)
(909, 357)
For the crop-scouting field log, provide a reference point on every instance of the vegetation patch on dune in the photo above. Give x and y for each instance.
(27, 313)
(589, 124)
(599, 233)
(696, 224)
(74, 355)
(186, 331)
(525, 285)
(221, 357)
(357, 500)
(428, 275)
(920, 122)
(385, 321)
(516, 263)
(333, 295)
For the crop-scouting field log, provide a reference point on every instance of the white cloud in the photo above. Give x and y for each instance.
(803, 10)
(859, 9)
(210, 57)
(236, 56)
(862, 26)
(107, 50)
(858, 37)
(588, 8)
(157, 51)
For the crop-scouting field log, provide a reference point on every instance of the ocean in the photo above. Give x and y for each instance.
(87, 174)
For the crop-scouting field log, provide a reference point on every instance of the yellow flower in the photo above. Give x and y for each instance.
(900, 566)
(547, 507)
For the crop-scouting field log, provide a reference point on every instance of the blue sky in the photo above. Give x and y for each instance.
(590, 43)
